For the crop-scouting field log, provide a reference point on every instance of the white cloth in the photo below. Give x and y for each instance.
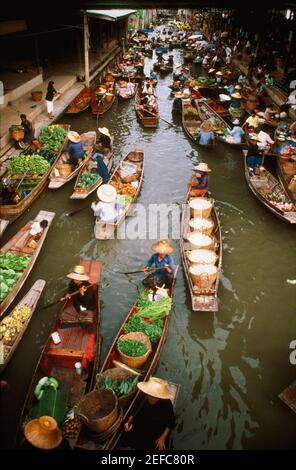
(292, 98)
(106, 211)
(35, 228)
(49, 105)
(265, 138)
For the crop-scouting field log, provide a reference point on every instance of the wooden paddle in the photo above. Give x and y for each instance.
(62, 299)
(140, 271)
(69, 214)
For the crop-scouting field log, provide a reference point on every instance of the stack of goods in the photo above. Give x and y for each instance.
(128, 172)
(204, 81)
(134, 349)
(124, 189)
(88, 179)
(202, 257)
(11, 267)
(11, 325)
(52, 137)
(278, 198)
(30, 164)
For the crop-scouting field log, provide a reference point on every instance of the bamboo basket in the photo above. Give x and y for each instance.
(203, 212)
(201, 242)
(201, 257)
(204, 280)
(136, 362)
(117, 374)
(64, 169)
(93, 401)
(207, 230)
(18, 135)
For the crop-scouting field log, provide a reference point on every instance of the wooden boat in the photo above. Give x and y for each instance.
(3, 225)
(202, 299)
(87, 440)
(63, 172)
(106, 231)
(82, 193)
(265, 187)
(17, 246)
(219, 125)
(286, 170)
(29, 300)
(58, 360)
(126, 97)
(100, 104)
(146, 120)
(192, 126)
(11, 212)
(80, 103)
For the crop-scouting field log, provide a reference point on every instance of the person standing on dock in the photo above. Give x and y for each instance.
(50, 94)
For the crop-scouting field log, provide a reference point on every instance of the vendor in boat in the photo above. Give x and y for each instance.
(206, 135)
(268, 114)
(74, 148)
(254, 155)
(104, 141)
(102, 168)
(36, 230)
(28, 128)
(170, 60)
(264, 138)
(161, 259)
(199, 183)
(151, 427)
(195, 93)
(236, 100)
(107, 210)
(84, 299)
(252, 122)
(235, 134)
(219, 76)
(177, 103)
(153, 75)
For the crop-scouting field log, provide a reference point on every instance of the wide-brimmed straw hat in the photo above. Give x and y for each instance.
(78, 274)
(203, 167)
(163, 247)
(218, 73)
(238, 96)
(43, 433)
(211, 70)
(74, 136)
(206, 126)
(238, 87)
(104, 130)
(236, 122)
(107, 193)
(155, 387)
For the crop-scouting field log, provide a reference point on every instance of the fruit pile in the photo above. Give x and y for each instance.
(12, 324)
(124, 188)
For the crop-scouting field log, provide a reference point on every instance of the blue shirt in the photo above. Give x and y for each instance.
(102, 168)
(159, 264)
(205, 137)
(237, 133)
(231, 89)
(75, 150)
(235, 103)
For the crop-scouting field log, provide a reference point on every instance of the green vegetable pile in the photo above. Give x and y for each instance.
(30, 164)
(52, 137)
(48, 155)
(15, 128)
(235, 111)
(87, 179)
(156, 310)
(8, 278)
(120, 387)
(10, 261)
(131, 347)
(190, 112)
(153, 331)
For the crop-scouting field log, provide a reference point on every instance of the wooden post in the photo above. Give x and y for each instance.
(86, 48)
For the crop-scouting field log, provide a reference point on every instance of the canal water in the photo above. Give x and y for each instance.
(231, 365)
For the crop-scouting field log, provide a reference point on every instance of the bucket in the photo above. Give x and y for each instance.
(98, 409)
(202, 225)
(203, 276)
(202, 257)
(139, 361)
(36, 95)
(200, 207)
(199, 241)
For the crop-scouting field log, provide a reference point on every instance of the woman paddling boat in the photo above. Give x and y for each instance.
(160, 259)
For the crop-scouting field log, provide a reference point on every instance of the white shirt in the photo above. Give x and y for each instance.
(106, 211)
(265, 138)
(35, 228)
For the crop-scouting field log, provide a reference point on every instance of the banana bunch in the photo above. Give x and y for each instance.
(12, 324)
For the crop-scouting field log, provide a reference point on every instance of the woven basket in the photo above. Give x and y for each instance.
(205, 213)
(36, 95)
(136, 156)
(205, 230)
(64, 169)
(136, 362)
(18, 135)
(204, 280)
(289, 168)
(206, 245)
(117, 374)
(195, 260)
(92, 402)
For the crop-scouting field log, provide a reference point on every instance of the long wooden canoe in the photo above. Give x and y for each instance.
(58, 360)
(29, 300)
(192, 126)
(266, 184)
(106, 231)
(219, 125)
(11, 212)
(101, 106)
(83, 193)
(56, 176)
(3, 225)
(147, 120)
(81, 102)
(87, 440)
(126, 97)
(286, 170)
(203, 300)
(16, 246)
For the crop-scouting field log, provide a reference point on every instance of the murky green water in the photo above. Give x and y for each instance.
(231, 365)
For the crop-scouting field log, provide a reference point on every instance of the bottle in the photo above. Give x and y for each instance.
(78, 368)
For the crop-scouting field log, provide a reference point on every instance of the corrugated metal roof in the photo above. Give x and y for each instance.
(110, 15)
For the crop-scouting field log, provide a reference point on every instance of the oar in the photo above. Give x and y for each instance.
(62, 299)
(140, 271)
(69, 214)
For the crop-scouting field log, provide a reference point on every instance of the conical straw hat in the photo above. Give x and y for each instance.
(74, 136)
(155, 387)
(78, 274)
(107, 193)
(43, 433)
(163, 247)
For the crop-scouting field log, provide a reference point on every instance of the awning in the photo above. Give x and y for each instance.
(110, 15)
